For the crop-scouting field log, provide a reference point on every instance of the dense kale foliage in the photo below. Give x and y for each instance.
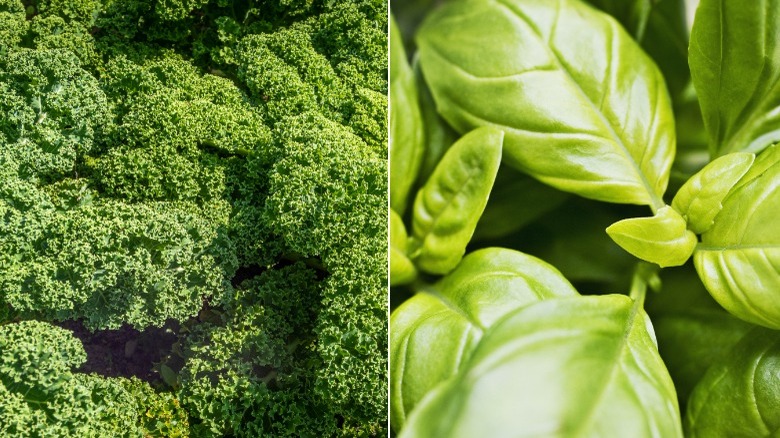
(154, 152)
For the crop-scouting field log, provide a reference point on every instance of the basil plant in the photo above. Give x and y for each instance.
(585, 218)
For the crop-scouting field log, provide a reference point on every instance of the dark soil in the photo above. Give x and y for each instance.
(125, 352)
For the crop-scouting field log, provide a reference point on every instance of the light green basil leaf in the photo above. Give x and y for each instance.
(402, 270)
(659, 26)
(762, 163)
(662, 239)
(584, 366)
(448, 206)
(406, 130)
(439, 136)
(740, 395)
(699, 199)
(435, 331)
(735, 64)
(738, 259)
(515, 201)
(583, 107)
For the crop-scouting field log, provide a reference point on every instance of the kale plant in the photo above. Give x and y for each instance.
(219, 167)
(634, 162)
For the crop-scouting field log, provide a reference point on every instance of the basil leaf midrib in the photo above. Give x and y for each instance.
(615, 365)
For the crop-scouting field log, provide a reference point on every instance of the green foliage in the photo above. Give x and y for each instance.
(243, 377)
(693, 331)
(160, 413)
(738, 257)
(447, 208)
(58, 111)
(402, 270)
(580, 93)
(13, 25)
(700, 199)
(327, 188)
(42, 396)
(532, 351)
(486, 286)
(406, 129)
(155, 153)
(564, 109)
(736, 81)
(662, 239)
(746, 378)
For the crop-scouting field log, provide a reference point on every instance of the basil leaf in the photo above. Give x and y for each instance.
(448, 206)
(662, 239)
(435, 331)
(740, 395)
(735, 64)
(739, 256)
(659, 26)
(584, 109)
(406, 130)
(699, 199)
(584, 366)
(402, 270)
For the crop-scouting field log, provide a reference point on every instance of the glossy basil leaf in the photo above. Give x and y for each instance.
(406, 130)
(584, 109)
(659, 26)
(584, 366)
(439, 136)
(402, 270)
(516, 200)
(448, 206)
(662, 239)
(699, 199)
(735, 64)
(740, 395)
(738, 259)
(435, 331)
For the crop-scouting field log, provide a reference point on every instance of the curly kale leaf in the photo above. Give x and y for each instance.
(107, 262)
(249, 375)
(40, 395)
(57, 111)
